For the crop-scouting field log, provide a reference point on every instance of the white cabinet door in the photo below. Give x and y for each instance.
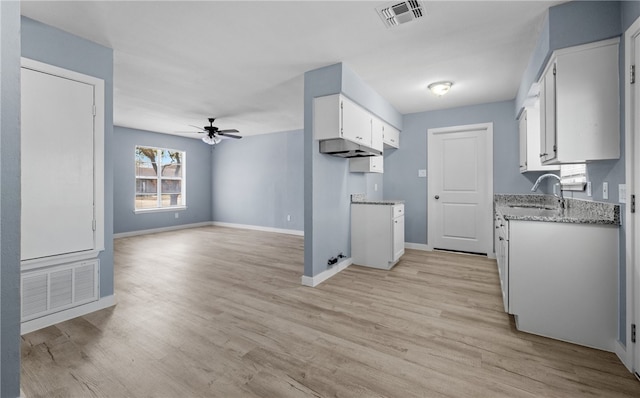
(57, 160)
(398, 238)
(377, 133)
(356, 123)
(529, 124)
(522, 126)
(548, 115)
(390, 136)
(580, 109)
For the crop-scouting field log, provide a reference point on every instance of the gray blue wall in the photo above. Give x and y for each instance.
(258, 180)
(9, 199)
(198, 181)
(327, 180)
(401, 179)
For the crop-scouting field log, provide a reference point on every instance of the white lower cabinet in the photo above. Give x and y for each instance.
(562, 280)
(377, 234)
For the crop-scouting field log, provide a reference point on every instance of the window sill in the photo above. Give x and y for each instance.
(160, 210)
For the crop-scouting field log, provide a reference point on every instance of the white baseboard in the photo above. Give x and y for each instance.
(315, 280)
(259, 228)
(624, 355)
(163, 229)
(418, 246)
(52, 319)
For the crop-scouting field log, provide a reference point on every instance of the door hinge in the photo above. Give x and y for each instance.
(555, 148)
(633, 332)
(554, 69)
(633, 74)
(633, 203)
(94, 225)
(94, 110)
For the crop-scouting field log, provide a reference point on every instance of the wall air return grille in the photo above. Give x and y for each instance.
(49, 290)
(398, 13)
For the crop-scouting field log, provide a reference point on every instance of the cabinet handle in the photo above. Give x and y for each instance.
(501, 238)
(437, 197)
(543, 154)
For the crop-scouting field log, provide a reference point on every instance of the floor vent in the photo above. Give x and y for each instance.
(49, 290)
(398, 13)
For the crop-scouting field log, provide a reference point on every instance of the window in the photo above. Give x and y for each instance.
(574, 176)
(160, 178)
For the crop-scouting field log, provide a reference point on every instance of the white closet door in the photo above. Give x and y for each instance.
(57, 161)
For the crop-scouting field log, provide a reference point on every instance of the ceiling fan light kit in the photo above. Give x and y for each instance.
(214, 135)
(211, 140)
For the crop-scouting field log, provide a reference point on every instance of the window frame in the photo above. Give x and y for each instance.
(159, 181)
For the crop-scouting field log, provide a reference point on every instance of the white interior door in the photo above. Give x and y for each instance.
(633, 180)
(57, 160)
(460, 188)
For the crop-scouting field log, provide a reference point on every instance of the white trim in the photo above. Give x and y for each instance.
(206, 224)
(98, 136)
(487, 128)
(45, 321)
(259, 228)
(160, 209)
(632, 154)
(313, 281)
(418, 246)
(163, 229)
(35, 263)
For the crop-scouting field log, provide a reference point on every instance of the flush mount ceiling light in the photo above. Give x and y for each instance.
(440, 88)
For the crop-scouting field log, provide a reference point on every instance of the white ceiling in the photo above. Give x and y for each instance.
(177, 63)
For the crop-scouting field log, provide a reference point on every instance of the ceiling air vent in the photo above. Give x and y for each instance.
(398, 13)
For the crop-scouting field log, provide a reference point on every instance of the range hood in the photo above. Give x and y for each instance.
(346, 149)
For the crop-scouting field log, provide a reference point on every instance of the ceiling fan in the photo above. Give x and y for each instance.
(214, 135)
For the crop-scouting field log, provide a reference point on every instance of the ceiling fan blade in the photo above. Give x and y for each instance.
(199, 128)
(228, 131)
(229, 136)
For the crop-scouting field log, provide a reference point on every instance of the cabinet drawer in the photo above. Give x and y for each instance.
(398, 210)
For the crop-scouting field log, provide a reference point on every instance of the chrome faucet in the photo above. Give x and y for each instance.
(550, 175)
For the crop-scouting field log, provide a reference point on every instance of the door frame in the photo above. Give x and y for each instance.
(630, 352)
(488, 130)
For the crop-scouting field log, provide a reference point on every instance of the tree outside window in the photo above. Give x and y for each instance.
(160, 178)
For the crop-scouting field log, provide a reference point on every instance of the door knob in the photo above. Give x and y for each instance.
(437, 196)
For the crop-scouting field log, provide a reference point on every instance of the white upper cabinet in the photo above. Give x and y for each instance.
(390, 136)
(336, 116)
(580, 104)
(529, 124)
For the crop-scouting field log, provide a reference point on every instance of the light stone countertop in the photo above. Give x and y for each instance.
(545, 208)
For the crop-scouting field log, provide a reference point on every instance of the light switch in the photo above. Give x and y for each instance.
(589, 193)
(422, 173)
(622, 193)
(605, 190)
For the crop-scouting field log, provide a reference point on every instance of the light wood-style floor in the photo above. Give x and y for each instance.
(220, 312)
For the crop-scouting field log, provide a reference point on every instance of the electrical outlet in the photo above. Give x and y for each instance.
(177, 215)
(375, 187)
(288, 217)
(605, 190)
(422, 173)
(589, 193)
(622, 193)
